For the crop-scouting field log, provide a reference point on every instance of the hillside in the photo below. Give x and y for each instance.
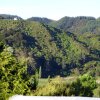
(41, 20)
(36, 59)
(77, 25)
(54, 51)
(10, 17)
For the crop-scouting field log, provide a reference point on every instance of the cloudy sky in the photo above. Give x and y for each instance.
(53, 9)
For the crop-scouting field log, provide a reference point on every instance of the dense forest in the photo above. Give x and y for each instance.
(43, 48)
(76, 25)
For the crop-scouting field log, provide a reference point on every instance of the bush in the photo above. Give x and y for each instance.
(97, 92)
(84, 86)
(14, 77)
(56, 87)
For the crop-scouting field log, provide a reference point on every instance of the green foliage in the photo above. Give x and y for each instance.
(71, 49)
(10, 17)
(55, 87)
(97, 91)
(14, 78)
(83, 86)
(92, 68)
(57, 52)
(41, 20)
(26, 45)
(78, 25)
(75, 72)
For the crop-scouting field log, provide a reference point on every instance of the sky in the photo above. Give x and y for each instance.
(52, 9)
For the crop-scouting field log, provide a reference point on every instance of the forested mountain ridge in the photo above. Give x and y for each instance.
(77, 25)
(54, 51)
(41, 20)
(10, 17)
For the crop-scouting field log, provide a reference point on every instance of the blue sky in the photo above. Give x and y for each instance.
(53, 9)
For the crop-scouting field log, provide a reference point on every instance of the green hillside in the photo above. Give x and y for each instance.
(10, 17)
(77, 25)
(55, 51)
(41, 20)
(32, 54)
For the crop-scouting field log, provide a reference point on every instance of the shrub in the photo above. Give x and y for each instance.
(97, 92)
(84, 86)
(56, 87)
